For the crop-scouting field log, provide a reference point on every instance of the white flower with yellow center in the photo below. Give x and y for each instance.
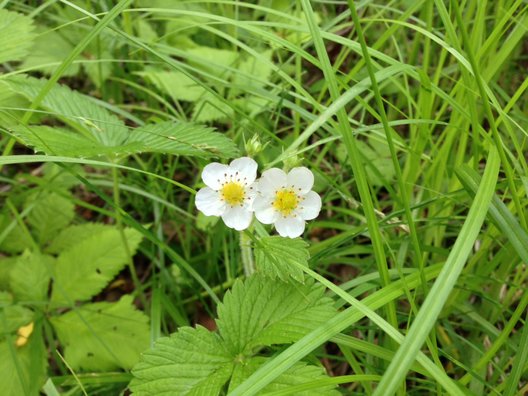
(287, 200)
(230, 192)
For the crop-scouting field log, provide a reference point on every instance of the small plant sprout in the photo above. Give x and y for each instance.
(287, 200)
(230, 192)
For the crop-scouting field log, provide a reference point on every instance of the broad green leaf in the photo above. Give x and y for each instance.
(11, 106)
(253, 72)
(175, 84)
(70, 236)
(103, 336)
(48, 52)
(13, 239)
(61, 141)
(50, 213)
(377, 160)
(184, 139)
(74, 108)
(299, 373)
(189, 362)
(213, 60)
(6, 266)
(276, 257)
(15, 315)
(262, 311)
(16, 35)
(30, 277)
(85, 268)
(23, 368)
(211, 108)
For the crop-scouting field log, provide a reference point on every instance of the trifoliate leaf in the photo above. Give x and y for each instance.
(276, 257)
(190, 362)
(30, 277)
(74, 108)
(85, 268)
(16, 35)
(299, 373)
(184, 139)
(23, 368)
(261, 311)
(50, 213)
(103, 336)
(71, 235)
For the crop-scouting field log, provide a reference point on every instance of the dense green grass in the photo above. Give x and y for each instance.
(411, 114)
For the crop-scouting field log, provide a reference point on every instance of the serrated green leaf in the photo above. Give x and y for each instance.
(30, 277)
(23, 372)
(61, 141)
(85, 268)
(211, 108)
(49, 48)
(175, 84)
(277, 257)
(190, 362)
(184, 139)
(213, 60)
(16, 35)
(74, 108)
(261, 311)
(72, 235)
(6, 266)
(103, 336)
(15, 240)
(15, 317)
(50, 213)
(253, 72)
(299, 373)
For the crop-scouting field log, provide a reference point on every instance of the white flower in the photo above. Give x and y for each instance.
(287, 200)
(230, 192)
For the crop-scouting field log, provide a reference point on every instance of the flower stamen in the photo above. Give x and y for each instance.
(233, 193)
(286, 201)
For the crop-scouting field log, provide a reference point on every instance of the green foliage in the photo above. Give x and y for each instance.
(30, 277)
(256, 313)
(98, 132)
(103, 336)
(278, 257)
(16, 35)
(83, 269)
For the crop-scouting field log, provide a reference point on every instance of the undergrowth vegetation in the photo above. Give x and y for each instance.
(411, 270)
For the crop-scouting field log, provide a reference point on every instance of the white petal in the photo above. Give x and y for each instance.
(301, 179)
(237, 217)
(251, 194)
(264, 211)
(271, 180)
(310, 206)
(208, 201)
(291, 227)
(214, 174)
(246, 168)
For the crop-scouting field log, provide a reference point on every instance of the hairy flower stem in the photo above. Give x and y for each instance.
(247, 252)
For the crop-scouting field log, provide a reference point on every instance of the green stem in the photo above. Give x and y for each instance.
(124, 240)
(247, 253)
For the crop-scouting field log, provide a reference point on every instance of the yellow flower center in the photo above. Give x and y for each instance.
(233, 193)
(286, 201)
